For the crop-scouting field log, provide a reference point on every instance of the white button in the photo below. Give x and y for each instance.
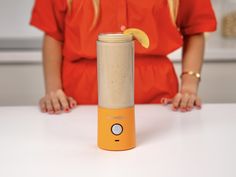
(116, 129)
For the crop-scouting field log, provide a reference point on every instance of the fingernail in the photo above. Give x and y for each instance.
(67, 110)
(199, 107)
(174, 108)
(162, 101)
(58, 111)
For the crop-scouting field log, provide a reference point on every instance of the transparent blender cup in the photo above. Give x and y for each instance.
(116, 115)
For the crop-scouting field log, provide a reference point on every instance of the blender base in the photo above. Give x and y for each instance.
(116, 128)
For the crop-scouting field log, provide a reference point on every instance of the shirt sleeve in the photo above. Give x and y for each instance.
(196, 16)
(49, 16)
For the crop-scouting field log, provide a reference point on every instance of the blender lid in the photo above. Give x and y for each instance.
(115, 37)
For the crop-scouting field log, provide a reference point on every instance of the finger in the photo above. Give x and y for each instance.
(72, 102)
(56, 105)
(198, 103)
(191, 102)
(163, 100)
(184, 102)
(49, 106)
(42, 106)
(176, 101)
(166, 101)
(63, 101)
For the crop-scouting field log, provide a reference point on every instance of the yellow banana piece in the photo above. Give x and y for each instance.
(138, 34)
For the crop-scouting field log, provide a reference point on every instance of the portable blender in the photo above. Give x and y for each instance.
(116, 112)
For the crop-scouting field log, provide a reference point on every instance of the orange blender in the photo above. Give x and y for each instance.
(116, 116)
(115, 66)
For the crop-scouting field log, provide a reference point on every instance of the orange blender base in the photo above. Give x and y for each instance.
(116, 129)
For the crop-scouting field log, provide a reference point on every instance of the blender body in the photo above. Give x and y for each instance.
(116, 110)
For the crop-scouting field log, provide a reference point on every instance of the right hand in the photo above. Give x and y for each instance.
(56, 102)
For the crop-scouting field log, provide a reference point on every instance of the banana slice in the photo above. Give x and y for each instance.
(140, 35)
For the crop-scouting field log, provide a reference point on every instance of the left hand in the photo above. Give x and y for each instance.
(185, 100)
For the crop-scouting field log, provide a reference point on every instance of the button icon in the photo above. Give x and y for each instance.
(116, 129)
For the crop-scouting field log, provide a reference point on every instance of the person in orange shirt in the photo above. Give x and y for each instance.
(71, 28)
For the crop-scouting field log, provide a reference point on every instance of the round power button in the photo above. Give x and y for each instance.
(116, 129)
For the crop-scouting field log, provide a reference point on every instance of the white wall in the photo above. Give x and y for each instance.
(14, 18)
(20, 84)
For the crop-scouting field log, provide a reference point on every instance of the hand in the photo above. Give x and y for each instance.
(56, 102)
(185, 100)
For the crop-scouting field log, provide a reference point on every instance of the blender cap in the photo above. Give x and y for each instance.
(115, 37)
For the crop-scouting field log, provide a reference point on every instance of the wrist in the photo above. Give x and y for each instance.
(52, 88)
(189, 84)
(192, 73)
(189, 79)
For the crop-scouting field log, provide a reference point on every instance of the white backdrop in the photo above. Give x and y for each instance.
(14, 18)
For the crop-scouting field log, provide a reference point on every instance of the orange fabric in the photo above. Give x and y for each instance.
(154, 73)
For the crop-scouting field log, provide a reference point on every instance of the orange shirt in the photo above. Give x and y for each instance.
(152, 16)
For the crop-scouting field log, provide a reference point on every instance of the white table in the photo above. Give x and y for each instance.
(170, 144)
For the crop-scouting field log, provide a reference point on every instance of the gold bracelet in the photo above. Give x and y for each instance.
(192, 73)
